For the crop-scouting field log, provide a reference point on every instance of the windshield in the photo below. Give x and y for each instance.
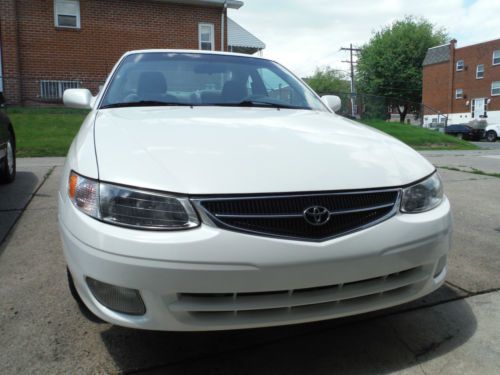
(166, 78)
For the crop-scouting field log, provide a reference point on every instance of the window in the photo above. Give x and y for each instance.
(67, 13)
(459, 93)
(460, 65)
(496, 57)
(480, 71)
(54, 90)
(205, 79)
(206, 36)
(495, 88)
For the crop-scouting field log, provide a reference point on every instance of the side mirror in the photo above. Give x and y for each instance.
(78, 98)
(332, 101)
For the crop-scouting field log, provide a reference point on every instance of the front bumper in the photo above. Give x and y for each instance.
(212, 279)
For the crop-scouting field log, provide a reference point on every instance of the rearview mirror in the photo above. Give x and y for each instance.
(332, 101)
(78, 98)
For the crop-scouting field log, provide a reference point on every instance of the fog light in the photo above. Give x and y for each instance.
(117, 298)
(440, 266)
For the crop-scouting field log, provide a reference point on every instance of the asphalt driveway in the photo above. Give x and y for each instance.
(456, 329)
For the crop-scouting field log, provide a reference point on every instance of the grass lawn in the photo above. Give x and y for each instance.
(420, 138)
(49, 132)
(44, 131)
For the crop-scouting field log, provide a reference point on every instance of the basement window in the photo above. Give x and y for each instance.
(459, 93)
(496, 57)
(206, 36)
(460, 65)
(67, 13)
(54, 90)
(480, 71)
(495, 88)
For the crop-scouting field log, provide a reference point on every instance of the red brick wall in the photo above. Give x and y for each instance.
(466, 79)
(8, 41)
(108, 29)
(435, 88)
(439, 94)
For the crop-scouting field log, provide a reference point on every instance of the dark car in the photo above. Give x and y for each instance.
(7, 146)
(465, 132)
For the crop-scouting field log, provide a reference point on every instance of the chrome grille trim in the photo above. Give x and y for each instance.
(220, 219)
(338, 212)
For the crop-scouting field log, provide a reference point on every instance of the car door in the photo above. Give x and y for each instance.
(4, 122)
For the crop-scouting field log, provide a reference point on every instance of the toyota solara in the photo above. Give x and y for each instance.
(211, 191)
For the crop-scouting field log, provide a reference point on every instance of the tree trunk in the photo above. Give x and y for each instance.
(403, 113)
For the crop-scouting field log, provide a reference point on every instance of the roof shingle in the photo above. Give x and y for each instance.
(436, 55)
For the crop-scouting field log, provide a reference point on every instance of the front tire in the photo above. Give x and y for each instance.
(81, 305)
(460, 136)
(491, 136)
(8, 167)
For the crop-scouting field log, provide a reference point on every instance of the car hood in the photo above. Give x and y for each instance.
(226, 150)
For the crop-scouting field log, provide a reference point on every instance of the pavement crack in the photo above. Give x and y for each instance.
(432, 347)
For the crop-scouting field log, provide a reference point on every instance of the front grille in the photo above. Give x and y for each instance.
(285, 215)
(329, 300)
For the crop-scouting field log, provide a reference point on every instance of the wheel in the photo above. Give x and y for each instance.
(460, 136)
(491, 136)
(81, 305)
(8, 167)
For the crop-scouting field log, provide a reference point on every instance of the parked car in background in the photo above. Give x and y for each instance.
(7, 146)
(210, 191)
(463, 131)
(492, 132)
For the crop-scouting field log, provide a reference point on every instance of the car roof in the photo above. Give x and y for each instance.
(204, 52)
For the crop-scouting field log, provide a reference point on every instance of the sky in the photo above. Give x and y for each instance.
(303, 35)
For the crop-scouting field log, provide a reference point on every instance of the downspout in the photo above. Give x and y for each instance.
(223, 27)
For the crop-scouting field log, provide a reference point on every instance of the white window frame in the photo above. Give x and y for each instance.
(497, 52)
(57, 14)
(212, 34)
(461, 91)
(460, 67)
(477, 71)
(496, 88)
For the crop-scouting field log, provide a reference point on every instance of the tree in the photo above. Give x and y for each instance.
(327, 80)
(390, 64)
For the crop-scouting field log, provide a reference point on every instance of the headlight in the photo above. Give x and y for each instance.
(423, 196)
(131, 207)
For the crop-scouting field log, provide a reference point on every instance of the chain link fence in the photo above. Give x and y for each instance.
(374, 107)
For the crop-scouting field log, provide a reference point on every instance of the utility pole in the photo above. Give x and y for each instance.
(353, 85)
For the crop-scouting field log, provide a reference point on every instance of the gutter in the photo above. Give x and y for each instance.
(223, 27)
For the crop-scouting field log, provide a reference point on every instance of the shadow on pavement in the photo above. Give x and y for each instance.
(13, 200)
(368, 343)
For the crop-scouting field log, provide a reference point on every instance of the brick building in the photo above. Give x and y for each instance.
(47, 46)
(462, 84)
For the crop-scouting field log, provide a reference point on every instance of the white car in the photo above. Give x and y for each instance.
(492, 132)
(212, 191)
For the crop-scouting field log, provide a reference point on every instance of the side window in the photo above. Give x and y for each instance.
(67, 13)
(206, 36)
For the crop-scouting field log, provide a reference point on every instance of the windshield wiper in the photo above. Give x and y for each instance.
(258, 103)
(145, 103)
